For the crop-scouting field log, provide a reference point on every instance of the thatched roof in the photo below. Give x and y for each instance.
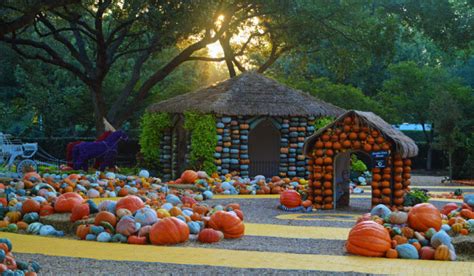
(403, 144)
(248, 94)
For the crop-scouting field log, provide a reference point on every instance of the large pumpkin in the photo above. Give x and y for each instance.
(131, 203)
(169, 231)
(423, 217)
(189, 176)
(368, 238)
(227, 223)
(105, 216)
(79, 212)
(67, 201)
(290, 199)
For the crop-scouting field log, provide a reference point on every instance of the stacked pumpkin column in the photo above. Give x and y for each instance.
(406, 175)
(284, 147)
(322, 174)
(398, 189)
(166, 150)
(244, 153)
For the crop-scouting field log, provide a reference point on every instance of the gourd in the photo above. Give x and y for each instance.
(13, 216)
(398, 217)
(34, 228)
(194, 227)
(136, 240)
(130, 202)
(31, 217)
(407, 251)
(169, 231)
(123, 212)
(424, 216)
(173, 199)
(230, 225)
(7, 243)
(104, 237)
(82, 231)
(457, 227)
(408, 232)
(442, 253)
(108, 205)
(67, 201)
(210, 235)
(46, 210)
(119, 238)
(381, 211)
(368, 238)
(448, 208)
(440, 238)
(175, 211)
(290, 199)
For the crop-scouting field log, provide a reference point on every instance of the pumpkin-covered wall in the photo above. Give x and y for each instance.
(350, 132)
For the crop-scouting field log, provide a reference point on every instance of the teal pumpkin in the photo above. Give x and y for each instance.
(104, 237)
(35, 266)
(381, 211)
(194, 227)
(2, 255)
(181, 217)
(31, 217)
(146, 216)
(119, 238)
(407, 251)
(107, 205)
(12, 227)
(440, 238)
(97, 229)
(34, 228)
(397, 230)
(21, 265)
(430, 233)
(93, 208)
(91, 237)
(173, 199)
(445, 227)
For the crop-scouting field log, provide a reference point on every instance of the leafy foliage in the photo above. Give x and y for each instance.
(416, 196)
(152, 128)
(357, 165)
(203, 140)
(322, 122)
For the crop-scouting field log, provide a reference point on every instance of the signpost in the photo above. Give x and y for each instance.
(380, 158)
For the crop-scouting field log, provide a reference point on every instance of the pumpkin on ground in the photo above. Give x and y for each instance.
(368, 238)
(423, 217)
(189, 176)
(290, 199)
(427, 253)
(127, 226)
(82, 231)
(67, 201)
(79, 212)
(210, 235)
(229, 224)
(407, 251)
(169, 231)
(442, 253)
(131, 203)
(105, 216)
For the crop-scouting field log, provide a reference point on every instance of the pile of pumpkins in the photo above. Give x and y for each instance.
(130, 221)
(91, 186)
(418, 232)
(10, 266)
(234, 184)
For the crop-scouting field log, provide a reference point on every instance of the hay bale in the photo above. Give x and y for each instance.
(183, 187)
(61, 222)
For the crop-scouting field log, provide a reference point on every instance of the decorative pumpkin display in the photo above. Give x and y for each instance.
(423, 217)
(79, 212)
(189, 177)
(13, 216)
(131, 203)
(229, 224)
(67, 201)
(82, 231)
(368, 238)
(136, 240)
(127, 226)
(407, 251)
(146, 216)
(169, 231)
(398, 217)
(105, 216)
(210, 235)
(427, 253)
(290, 199)
(391, 254)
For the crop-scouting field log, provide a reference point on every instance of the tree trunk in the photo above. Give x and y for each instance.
(99, 108)
(428, 138)
(181, 145)
(450, 164)
(429, 158)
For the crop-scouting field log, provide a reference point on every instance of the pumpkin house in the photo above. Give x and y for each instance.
(260, 124)
(329, 151)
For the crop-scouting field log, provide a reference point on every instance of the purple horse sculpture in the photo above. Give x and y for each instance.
(105, 150)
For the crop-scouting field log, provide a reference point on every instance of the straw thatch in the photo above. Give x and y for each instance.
(248, 94)
(403, 144)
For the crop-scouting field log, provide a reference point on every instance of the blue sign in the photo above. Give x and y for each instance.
(379, 154)
(379, 163)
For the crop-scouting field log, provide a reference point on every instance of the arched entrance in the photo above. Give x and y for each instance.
(343, 174)
(264, 149)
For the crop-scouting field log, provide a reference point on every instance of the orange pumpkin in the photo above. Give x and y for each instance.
(169, 231)
(290, 199)
(22, 225)
(230, 225)
(307, 203)
(105, 216)
(210, 235)
(82, 231)
(189, 176)
(400, 239)
(46, 210)
(30, 205)
(131, 203)
(67, 201)
(79, 212)
(423, 217)
(442, 253)
(391, 254)
(136, 239)
(368, 238)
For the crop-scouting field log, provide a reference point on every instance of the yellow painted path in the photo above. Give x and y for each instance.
(297, 232)
(231, 258)
(319, 217)
(431, 187)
